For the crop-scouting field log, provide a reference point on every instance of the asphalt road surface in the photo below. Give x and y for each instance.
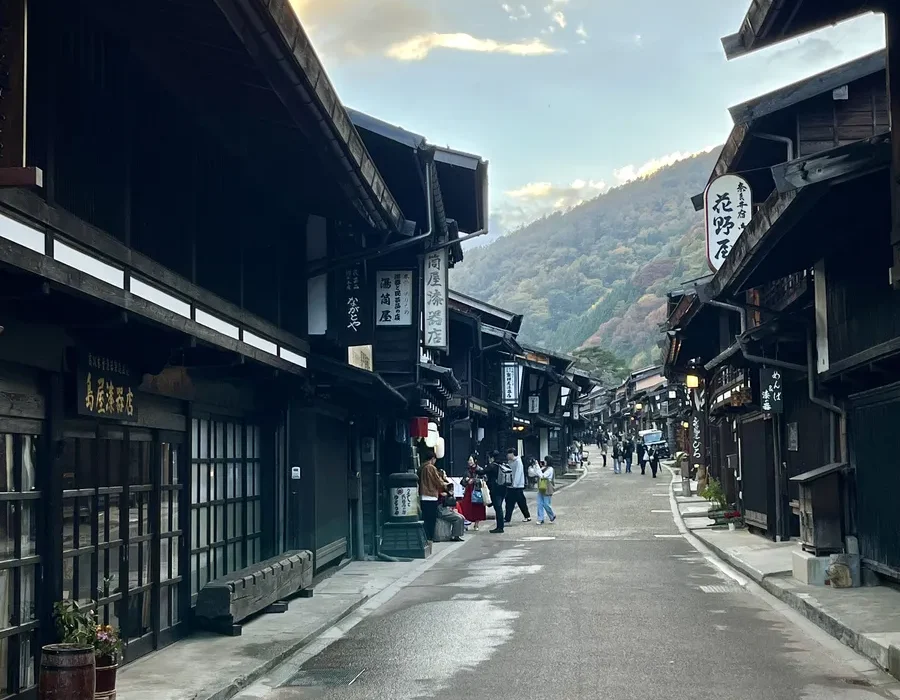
(610, 602)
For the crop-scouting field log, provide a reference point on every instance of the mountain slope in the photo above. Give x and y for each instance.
(598, 273)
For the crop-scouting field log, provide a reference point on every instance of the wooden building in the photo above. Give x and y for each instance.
(801, 295)
(171, 411)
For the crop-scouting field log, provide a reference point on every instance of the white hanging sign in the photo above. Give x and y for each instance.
(510, 379)
(534, 404)
(393, 298)
(434, 304)
(729, 207)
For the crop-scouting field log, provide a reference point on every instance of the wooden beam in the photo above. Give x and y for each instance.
(12, 96)
(21, 177)
(892, 34)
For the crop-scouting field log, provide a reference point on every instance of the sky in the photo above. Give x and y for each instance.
(565, 98)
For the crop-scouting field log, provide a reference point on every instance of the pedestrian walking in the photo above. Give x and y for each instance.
(515, 494)
(628, 452)
(472, 504)
(617, 456)
(545, 492)
(654, 461)
(642, 455)
(431, 489)
(604, 446)
(499, 477)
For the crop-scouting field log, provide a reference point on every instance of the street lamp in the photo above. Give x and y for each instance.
(685, 425)
(692, 381)
(638, 406)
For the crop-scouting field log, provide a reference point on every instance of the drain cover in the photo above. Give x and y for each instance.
(721, 589)
(323, 678)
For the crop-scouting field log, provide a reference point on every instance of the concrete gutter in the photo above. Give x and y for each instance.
(882, 649)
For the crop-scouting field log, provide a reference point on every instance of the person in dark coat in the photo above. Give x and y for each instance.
(628, 452)
(654, 460)
(498, 492)
(642, 455)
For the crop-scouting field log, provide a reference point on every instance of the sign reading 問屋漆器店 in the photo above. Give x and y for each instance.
(728, 204)
(434, 303)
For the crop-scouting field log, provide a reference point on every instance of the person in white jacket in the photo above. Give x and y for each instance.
(545, 492)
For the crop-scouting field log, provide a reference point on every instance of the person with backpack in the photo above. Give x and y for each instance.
(498, 476)
(617, 456)
(515, 491)
(545, 492)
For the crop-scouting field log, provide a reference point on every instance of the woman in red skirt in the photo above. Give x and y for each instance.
(472, 504)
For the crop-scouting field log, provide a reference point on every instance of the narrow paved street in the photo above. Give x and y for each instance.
(610, 602)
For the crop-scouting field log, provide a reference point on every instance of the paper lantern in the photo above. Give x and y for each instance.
(439, 448)
(418, 427)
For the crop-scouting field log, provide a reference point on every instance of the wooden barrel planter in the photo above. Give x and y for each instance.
(67, 672)
(106, 678)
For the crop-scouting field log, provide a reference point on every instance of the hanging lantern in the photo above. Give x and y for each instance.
(439, 448)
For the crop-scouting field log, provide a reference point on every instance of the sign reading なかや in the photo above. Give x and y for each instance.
(393, 298)
(728, 204)
(434, 304)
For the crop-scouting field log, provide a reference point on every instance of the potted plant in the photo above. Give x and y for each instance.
(107, 650)
(68, 668)
(77, 625)
(715, 494)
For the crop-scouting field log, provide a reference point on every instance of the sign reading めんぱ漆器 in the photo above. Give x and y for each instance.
(729, 207)
(105, 388)
(771, 398)
(393, 298)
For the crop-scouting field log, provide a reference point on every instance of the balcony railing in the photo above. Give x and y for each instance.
(781, 293)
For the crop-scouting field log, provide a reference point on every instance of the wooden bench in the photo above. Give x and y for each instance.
(223, 603)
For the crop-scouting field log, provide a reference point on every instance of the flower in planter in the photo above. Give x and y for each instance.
(107, 642)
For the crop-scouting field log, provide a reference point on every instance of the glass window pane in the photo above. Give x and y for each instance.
(219, 517)
(219, 447)
(7, 530)
(204, 439)
(7, 463)
(28, 611)
(230, 436)
(26, 661)
(219, 478)
(29, 528)
(174, 604)
(164, 607)
(7, 598)
(29, 462)
(175, 543)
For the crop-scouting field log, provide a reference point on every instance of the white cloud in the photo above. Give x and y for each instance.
(551, 28)
(517, 13)
(629, 173)
(418, 47)
(638, 39)
(506, 8)
(560, 19)
(525, 14)
(581, 31)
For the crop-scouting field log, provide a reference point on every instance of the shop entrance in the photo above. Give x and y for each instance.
(122, 525)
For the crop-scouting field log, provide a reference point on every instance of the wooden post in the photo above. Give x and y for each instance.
(892, 34)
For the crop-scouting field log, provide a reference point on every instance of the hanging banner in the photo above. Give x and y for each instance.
(351, 306)
(393, 292)
(728, 204)
(510, 382)
(434, 275)
(360, 356)
(534, 404)
(771, 398)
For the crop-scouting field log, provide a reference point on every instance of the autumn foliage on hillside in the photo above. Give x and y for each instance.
(598, 273)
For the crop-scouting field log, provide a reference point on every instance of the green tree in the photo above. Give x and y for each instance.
(602, 364)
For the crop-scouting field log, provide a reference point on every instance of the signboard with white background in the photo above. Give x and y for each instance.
(728, 204)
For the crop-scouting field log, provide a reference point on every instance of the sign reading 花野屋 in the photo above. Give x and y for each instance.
(434, 304)
(393, 298)
(729, 207)
(510, 379)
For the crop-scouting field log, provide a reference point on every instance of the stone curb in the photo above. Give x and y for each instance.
(884, 657)
(240, 683)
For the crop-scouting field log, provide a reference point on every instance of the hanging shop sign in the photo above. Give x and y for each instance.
(434, 303)
(771, 398)
(105, 388)
(478, 407)
(534, 404)
(351, 306)
(728, 205)
(393, 302)
(510, 380)
(360, 356)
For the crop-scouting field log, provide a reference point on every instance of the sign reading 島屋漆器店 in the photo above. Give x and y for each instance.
(434, 303)
(393, 298)
(105, 388)
(728, 204)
